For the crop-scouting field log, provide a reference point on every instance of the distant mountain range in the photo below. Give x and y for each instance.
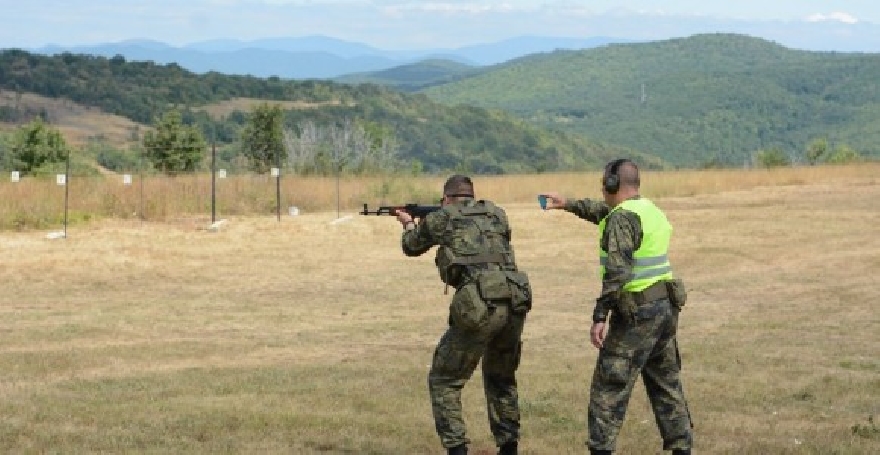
(316, 57)
(325, 57)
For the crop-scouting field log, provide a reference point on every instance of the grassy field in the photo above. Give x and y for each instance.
(313, 335)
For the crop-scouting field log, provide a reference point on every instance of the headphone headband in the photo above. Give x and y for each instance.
(612, 180)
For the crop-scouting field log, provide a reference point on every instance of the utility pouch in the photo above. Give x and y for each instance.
(450, 274)
(521, 292)
(509, 286)
(677, 292)
(493, 285)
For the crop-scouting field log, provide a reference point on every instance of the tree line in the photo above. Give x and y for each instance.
(425, 135)
(172, 147)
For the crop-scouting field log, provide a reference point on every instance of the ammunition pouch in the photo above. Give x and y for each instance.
(449, 273)
(506, 287)
(677, 292)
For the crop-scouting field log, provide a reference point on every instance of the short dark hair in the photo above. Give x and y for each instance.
(623, 172)
(458, 186)
(629, 174)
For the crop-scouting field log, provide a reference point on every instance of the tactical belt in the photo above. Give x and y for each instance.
(653, 292)
(477, 259)
(494, 258)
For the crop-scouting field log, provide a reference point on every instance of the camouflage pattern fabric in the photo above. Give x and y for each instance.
(455, 359)
(623, 235)
(643, 343)
(478, 329)
(647, 346)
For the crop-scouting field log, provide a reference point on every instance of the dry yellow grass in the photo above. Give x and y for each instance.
(39, 203)
(77, 123)
(314, 336)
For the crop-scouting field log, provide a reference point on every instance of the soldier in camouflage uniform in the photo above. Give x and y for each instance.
(643, 298)
(486, 315)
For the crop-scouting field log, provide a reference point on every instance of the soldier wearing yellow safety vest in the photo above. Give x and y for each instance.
(643, 299)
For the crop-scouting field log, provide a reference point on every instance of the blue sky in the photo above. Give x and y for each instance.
(410, 24)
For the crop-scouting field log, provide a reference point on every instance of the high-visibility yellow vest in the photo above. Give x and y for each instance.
(651, 259)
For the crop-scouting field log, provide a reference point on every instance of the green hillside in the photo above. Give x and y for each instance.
(713, 98)
(415, 76)
(429, 135)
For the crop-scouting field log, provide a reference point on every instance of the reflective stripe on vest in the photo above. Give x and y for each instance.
(651, 263)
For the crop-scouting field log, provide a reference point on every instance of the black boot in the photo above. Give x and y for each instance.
(681, 451)
(509, 448)
(457, 450)
(599, 452)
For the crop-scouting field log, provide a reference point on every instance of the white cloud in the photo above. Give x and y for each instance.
(837, 16)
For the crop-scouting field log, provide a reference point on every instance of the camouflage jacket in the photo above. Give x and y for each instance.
(622, 237)
(434, 230)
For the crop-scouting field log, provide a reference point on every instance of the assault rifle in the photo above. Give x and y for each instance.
(416, 211)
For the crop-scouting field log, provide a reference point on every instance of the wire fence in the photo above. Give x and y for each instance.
(43, 202)
(50, 201)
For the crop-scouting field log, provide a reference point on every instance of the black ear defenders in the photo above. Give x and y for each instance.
(611, 182)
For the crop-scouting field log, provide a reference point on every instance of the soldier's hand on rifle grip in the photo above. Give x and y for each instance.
(404, 218)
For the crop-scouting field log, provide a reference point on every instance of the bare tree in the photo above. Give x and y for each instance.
(344, 148)
(303, 148)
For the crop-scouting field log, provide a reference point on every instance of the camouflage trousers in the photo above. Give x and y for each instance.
(646, 346)
(455, 359)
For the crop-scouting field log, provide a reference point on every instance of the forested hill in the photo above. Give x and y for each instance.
(415, 76)
(707, 98)
(431, 135)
